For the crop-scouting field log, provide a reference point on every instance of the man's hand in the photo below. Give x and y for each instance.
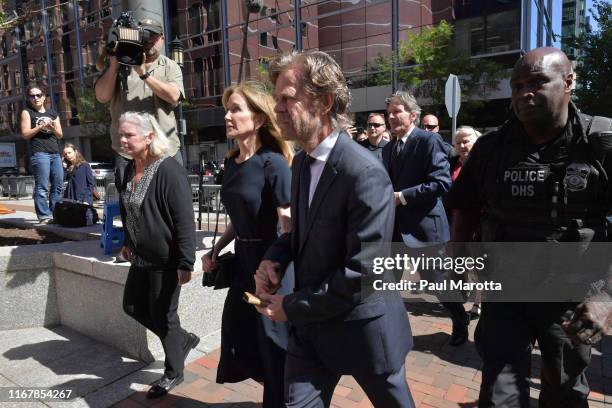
(591, 320)
(274, 311)
(184, 276)
(397, 198)
(142, 69)
(267, 279)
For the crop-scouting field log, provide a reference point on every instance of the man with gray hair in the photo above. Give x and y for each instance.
(417, 163)
(338, 205)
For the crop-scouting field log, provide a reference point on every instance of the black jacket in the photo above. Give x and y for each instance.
(167, 229)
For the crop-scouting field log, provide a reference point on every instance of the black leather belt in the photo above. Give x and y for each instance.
(248, 239)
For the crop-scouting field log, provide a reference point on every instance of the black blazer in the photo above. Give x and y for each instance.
(80, 184)
(424, 179)
(354, 330)
(167, 229)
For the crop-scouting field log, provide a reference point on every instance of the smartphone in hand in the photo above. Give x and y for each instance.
(251, 299)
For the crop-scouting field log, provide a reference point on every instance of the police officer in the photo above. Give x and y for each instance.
(508, 185)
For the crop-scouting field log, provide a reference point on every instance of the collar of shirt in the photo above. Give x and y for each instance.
(407, 135)
(322, 151)
(320, 154)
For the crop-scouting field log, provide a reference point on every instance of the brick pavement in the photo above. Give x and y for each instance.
(439, 375)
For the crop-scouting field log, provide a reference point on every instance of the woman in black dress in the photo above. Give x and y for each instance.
(256, 193)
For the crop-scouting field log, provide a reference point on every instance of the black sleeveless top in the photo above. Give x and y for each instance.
(44, 141)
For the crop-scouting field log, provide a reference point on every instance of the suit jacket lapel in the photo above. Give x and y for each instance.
(295, 188)
(325, 182)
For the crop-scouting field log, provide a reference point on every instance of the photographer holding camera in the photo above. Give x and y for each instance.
(138, 78)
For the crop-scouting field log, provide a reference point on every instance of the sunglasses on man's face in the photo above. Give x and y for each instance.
(35, 96)
(429, 127)
(376, 125)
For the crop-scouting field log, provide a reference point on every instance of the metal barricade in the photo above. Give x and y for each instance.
(20, 186)
(208, 201)
(100, 184)
(195, 187)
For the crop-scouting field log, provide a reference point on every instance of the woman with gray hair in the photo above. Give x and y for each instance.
(159, 242)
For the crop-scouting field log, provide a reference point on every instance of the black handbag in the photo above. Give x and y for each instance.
(74, 214)
(222, 276)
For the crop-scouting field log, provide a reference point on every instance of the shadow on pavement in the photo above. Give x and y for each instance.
(180, 401)
(89, 366)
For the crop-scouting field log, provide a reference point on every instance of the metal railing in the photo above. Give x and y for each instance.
(204, 196)
(100, 184)
(208, 201)
(17, 186)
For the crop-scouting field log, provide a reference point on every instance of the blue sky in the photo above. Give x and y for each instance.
(594, 24)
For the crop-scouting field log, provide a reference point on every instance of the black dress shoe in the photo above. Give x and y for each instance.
(163, 386)
(191, 343)
(460, 334)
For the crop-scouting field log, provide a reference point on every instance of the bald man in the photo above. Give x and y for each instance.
(566, 201)
(430, 123)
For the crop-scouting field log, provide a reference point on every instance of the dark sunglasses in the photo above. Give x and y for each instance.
(429, 127)
(35, 96)
(376, 125)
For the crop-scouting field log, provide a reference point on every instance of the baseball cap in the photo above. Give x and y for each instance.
(152, 25)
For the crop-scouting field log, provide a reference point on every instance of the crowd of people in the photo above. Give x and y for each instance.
(299, 224)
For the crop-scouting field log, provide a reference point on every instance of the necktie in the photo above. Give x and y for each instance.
(304, 192)
(398, 148)
(396, 155)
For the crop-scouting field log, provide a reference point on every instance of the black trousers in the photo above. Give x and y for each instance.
(457, 314)
(504, 337)
(151, 297)
(309, 383)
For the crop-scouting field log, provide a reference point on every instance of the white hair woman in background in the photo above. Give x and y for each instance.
(157, 215)
(464, 140)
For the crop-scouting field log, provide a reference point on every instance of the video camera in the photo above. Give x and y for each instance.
(126, 39)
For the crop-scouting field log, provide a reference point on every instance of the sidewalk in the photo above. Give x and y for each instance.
(439, 375)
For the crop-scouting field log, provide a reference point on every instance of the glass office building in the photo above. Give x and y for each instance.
(227, 41)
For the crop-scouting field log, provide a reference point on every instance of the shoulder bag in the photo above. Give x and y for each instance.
(222, 276)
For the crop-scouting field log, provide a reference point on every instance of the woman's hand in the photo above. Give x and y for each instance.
(184, 276)
(209, 261)
(126, 253)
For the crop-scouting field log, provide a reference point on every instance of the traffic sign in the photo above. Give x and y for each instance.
(452, 95)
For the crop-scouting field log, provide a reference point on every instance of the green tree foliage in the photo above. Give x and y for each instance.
(429, 57)
(426, 59)
(94, 117)
(594, 68)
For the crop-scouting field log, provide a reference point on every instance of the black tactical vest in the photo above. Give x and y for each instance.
(558, 192)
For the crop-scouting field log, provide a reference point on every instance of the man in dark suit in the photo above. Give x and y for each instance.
(417, 161)
(342, 215)
(418, 165)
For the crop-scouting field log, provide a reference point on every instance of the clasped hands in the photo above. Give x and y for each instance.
(48, 124)
(267, 282)
(590, 322)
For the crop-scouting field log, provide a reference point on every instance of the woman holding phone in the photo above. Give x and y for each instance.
(256, 193)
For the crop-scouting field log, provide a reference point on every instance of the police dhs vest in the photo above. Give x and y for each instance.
(533, 197)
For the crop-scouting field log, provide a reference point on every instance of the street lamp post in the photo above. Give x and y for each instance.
(176, 54)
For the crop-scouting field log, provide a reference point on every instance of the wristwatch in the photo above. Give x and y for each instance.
(145, 76)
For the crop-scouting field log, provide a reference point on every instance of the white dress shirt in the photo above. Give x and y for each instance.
(320, 154)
